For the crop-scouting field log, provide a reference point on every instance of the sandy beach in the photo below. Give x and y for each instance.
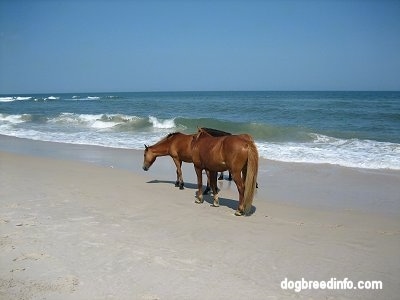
(80, 222)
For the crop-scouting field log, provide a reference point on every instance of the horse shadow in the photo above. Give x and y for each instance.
(230, 203)
(191, 186)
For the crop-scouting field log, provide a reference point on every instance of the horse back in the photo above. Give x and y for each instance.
(236, 144)
(221, 153)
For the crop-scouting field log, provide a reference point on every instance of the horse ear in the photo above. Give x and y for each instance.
(146, 147)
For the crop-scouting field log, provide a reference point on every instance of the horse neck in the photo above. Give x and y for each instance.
(161, 148)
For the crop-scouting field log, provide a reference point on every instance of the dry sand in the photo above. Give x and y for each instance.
(75, 230)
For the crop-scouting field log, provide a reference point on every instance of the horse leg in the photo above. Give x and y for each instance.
(221, 176)
(213, 183)
(199, 174)
(230, 176)
(207, 190)
(179, 178)
(237, 178)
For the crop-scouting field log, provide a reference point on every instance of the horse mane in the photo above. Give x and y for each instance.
(215, 132)
(171, 134)
(200, 131)
(167, 137)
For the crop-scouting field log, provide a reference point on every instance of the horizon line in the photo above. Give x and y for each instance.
(195, 91)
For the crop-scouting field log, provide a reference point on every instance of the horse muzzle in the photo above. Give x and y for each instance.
(145, 168)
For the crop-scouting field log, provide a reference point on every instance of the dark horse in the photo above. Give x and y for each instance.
(178, 146)
(236, 153)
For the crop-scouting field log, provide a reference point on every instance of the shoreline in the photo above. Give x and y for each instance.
(314, 185)
(81, 230)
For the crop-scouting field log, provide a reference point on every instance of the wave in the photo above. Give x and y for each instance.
(81, 98)
(118, 122)
(257, 130)
(93, 98)
(329, 150)
(17, 98)
(52, 98)
(162, 124)
(99, 121)
(13, 119)
(41, 98)
(275, 143)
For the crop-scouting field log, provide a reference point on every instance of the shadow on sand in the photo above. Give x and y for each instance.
(191, 186)
(232, 204)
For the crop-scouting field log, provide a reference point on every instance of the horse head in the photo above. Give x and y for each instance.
(149, 157)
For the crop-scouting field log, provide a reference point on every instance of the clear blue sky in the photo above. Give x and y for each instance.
(83, 46)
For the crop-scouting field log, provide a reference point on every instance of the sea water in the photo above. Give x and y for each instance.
(352, 129)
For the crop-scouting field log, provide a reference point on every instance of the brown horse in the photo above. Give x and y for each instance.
(178, 146)
(236, 153)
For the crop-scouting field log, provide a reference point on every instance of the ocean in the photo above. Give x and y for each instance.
(351, 129)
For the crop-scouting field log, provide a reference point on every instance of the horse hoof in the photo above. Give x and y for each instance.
(216, 202)
(198, 201)
(181, 187)
(177, 184)
(239, 213)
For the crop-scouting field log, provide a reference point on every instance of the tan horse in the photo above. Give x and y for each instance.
(178, 146)
(236, 153)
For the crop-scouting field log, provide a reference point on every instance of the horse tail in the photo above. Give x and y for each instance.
(251, 177)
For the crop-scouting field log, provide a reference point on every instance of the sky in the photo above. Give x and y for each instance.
(198, 45)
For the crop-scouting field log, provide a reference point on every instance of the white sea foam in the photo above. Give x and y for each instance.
(52, 98)
(372, 155)
(98, 121)
(90, 119)
(349, 153)
(7, 99)
(82, 98)
(84, 120)
(103, 125)
(11, 99)
(162, 124)
(14, 119)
